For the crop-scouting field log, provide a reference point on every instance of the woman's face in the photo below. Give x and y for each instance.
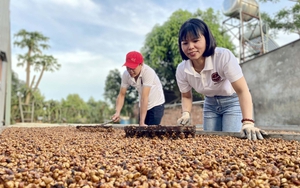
(134, 72)
(193, 47)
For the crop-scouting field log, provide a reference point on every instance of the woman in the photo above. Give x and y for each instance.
(216, 73)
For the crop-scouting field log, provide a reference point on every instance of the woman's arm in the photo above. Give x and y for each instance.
(186, 104)
(186, 101)
(245, 99)
(241, 88)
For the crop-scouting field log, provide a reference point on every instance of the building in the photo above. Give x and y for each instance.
(5, 63)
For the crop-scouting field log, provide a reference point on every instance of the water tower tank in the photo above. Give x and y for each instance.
(232, 8)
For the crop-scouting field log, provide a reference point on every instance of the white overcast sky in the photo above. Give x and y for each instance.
(91, 37)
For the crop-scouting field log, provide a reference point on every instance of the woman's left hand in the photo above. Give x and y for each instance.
(252, 133)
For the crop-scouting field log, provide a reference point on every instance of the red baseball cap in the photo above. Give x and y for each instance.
(133, 59)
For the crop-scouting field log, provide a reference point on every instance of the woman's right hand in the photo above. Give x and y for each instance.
(185, 119)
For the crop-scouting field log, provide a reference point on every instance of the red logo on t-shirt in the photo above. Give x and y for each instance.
(216, 77)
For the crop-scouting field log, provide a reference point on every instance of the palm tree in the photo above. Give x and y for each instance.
(45, 63)
(34, 42)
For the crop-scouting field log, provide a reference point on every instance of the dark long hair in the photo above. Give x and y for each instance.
(196, 27)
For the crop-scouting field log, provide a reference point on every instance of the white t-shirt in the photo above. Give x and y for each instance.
(147, 78)
(221, 69)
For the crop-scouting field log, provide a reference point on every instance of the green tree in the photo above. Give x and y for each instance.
(98, 111)
(45, 63)
(18, 87)
(112, 88)
(286, 19)
(52, 111)
(94, 112)
(74, 109)
(38, 104)
(161, 51)
(34, 42)
(19, 90)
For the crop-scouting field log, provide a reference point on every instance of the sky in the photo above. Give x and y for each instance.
(91, 37)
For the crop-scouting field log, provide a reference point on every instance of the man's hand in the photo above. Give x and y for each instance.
(252, 133)
(185, 119)
(116, 117)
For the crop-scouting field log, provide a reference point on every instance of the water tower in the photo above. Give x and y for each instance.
(245, 24)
